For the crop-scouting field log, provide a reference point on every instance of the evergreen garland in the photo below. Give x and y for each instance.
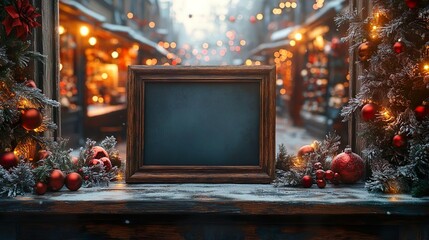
(396, 81)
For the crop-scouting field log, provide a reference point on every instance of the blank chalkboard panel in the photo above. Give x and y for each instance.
(201, 123)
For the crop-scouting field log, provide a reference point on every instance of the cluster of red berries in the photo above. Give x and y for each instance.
(322, 177)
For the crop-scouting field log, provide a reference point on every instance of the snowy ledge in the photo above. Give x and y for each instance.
(222, 199)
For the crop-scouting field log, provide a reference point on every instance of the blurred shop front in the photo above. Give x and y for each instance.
(312, 69)
(94, 57)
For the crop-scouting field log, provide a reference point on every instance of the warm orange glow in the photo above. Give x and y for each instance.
(61, 30)
(292, 43)
(298, 36)
(92, 41)
(259, 16)
(130, 15)
(152, 24)
(282, 91)
(84, 31)
(115, 54)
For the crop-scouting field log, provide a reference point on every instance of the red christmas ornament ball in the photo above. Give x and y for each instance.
(329, 174)
(40, 188)
(8, 160)
(304, 150)
(364, 51)
(73, 181)
(107, 163)
(321, 183)
(74, 160)
(320, 174)
(56, 180)
(99, 152)
(232, 19)
(317, 165)
(349, 166)
(411, 3)
(31, 119)
(336, 179)
(421, 112)
(30, 84)
(95, 162)
(398, 47)
(398, 141)
(368, 112)
(307, 181)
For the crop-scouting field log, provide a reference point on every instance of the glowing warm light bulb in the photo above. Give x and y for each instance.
(61, 30)
(282, 91)
(104, 75)
(426, 67)
(115, 54)
(292, 43)
(248, 62)
(298, 36)
(92, 41)
(130, 15)
(84, 31)
(173, 45)
(152, 24)
(259, 16)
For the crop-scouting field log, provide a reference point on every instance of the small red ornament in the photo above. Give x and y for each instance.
(348, 165)
(317, 165)
(40, 188)
(56, 180)
(8, 160)
(336, 179)
(95, 162)
(31, 119)
(421, 112)
(30, 84)
(399, 47)
(307, 181)
(252, 19)
(232, 19)
(42, 154)
(398, 141)
(107, 163)
(320, 174)
(364, 51)
(329, 174)
(411, 3)
(74, 160)
(306, 149)
(321, 183)
(73, 181)
(368, 112)
(99, 152)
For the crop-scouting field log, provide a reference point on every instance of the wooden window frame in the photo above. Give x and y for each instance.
(46, 41)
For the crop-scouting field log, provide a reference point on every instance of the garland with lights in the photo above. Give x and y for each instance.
(30, 162)
(393, 50)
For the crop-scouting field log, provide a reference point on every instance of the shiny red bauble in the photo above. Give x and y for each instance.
(30, 84)
(329, 174)
(364, 51)
(321, 183)
(307, 181)
(368, 112)
(99, 152)
(73, 181)
(349, 166)
(320, 174)
(40, 188)
(8, 160)
(421, 112)
(95, 162)
(31, 119)
(411, 3)
(398, 141)
(399, 47)
(56, 180)
(232, 19)
(306, 149)
(107, 163)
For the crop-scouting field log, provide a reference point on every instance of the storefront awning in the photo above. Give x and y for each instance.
(80, 11)
(265, 48)
(327, 12)
(134, 35)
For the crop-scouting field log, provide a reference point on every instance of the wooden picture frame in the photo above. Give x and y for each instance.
(241, 99)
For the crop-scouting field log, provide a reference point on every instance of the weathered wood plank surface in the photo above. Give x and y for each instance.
(234, 199)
